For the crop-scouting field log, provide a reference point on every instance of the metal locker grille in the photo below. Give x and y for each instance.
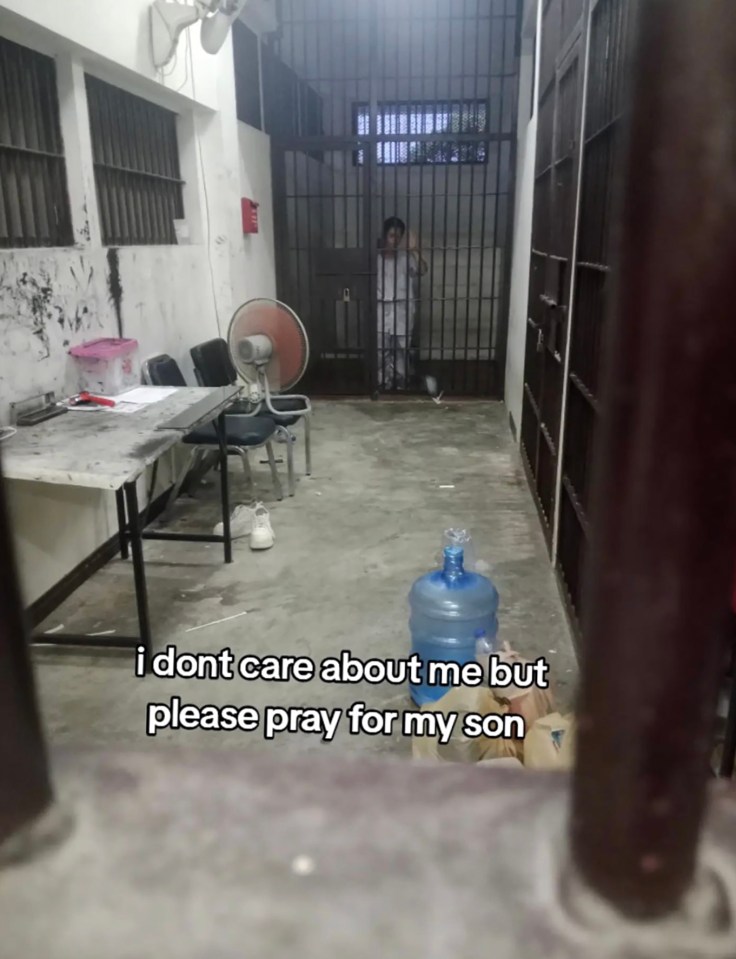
(609, 47)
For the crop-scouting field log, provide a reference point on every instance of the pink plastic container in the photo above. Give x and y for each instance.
(107, 366)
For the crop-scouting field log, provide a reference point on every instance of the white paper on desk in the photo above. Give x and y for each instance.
(144, 395)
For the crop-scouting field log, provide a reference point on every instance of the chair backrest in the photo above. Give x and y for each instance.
(163, 370)
(213, 364)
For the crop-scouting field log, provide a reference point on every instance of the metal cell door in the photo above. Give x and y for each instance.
(396, 110)
(324, 266)
(553, 234)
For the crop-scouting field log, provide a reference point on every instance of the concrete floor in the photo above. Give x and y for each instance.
(360, 530)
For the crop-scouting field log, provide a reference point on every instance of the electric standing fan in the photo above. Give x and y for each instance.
(269, 349)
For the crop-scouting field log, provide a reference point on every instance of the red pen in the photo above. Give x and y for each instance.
(86, 397)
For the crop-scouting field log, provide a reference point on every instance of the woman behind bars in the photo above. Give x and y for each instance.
(399, 263)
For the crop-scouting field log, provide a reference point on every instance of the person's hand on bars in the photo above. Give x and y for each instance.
(412, 245)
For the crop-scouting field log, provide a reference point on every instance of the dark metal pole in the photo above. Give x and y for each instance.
(122, 523)
(663, 534)
(25, 785)
(139, 569)
(225, 486)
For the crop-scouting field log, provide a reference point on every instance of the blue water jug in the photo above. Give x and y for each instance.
(451, 609)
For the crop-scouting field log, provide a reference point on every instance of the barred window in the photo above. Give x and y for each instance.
(246, 54)
(34, 202)
(136, 157)
(426, 118)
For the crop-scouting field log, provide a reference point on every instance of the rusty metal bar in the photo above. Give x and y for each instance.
(664, 510)
(25, 786)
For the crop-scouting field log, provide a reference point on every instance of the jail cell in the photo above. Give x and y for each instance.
(399, 111)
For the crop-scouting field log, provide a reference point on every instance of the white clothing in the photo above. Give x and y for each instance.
(393, 361)
(396, 308)
(396, 301)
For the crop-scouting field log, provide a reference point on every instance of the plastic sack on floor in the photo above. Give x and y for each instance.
(550, 743)
(531, 703)
(460, 748)
(508, 762)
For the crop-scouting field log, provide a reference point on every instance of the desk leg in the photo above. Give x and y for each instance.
(225, 487)
(139, 569)
(122, 523)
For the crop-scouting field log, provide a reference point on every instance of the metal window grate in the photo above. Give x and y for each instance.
(34, 203)
(136, 157)
(425, 118)
(293, 107)
(246, 59)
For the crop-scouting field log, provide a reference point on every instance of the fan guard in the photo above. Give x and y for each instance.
(267, 338)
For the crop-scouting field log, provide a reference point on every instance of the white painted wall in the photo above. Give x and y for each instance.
(521, 257)
(257, 275)
(173, 296)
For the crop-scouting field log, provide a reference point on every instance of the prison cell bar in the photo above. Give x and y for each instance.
(664, 507)
(25, 785)
(501, 20)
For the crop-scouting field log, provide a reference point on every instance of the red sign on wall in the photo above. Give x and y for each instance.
(250, 216)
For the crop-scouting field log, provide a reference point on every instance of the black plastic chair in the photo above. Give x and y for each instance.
(243, 433)
(213, 367)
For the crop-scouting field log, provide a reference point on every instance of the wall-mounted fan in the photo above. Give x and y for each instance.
(170, 19)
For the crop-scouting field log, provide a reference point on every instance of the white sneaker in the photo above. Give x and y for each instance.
(241, 523)
(262, 535)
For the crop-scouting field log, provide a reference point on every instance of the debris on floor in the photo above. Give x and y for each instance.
(217, 622)
(494, 723)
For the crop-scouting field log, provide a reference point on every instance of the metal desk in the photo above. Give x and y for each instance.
(111, 451)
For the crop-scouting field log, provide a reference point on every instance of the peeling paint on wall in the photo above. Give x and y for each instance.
(52, 300)
(48, 303)
(115, 286)
(37, 293)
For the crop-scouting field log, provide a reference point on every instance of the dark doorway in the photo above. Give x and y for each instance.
(396, 110)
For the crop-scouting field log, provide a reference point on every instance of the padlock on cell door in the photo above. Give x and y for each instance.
(346, 295)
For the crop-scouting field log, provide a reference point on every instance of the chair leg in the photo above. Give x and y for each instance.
(174, 494)
(204, 462)
(274, 471)
(308, 443)
(243, 453)
(289, 437)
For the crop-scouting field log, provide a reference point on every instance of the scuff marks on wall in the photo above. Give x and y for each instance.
(164, 317)
(84, 231)
(85, 311)
(48, 302)
(28, 297)
(115, 286)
